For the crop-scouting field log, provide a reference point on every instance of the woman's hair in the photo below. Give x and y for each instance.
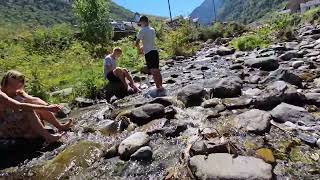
(14, 75)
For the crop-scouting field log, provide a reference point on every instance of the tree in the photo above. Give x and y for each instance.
(93, 16)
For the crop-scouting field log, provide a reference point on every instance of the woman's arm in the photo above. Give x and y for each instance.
(11, 103)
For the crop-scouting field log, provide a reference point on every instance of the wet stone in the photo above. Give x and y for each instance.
(211, 103)
(131, 144)
(227, 87)
(83, 102)
(310, 140)
(146, 113)
(290, 55)
(143, 154)
(204, 147)
(224, 166)
(191, 95)
(236, 103)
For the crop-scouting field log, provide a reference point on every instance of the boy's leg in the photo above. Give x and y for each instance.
(157, 77)
(118, 72)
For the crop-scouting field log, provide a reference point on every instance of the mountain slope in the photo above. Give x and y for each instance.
(245, 11)
(48, 12)
(205, 12)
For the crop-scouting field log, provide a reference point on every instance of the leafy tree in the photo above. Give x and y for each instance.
(93, 16)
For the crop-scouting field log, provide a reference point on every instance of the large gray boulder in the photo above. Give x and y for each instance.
(131, 144)
(143, 154)
(264, 63)
(191, 95)
(256, 121)
(146, 113)
(286, 112)
(283, 75)
(224, 166)
(226, 87)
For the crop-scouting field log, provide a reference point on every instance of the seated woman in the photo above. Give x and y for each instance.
(13, 83)
(18, 120)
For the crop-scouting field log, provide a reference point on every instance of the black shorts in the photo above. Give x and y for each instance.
(152, 59)
(112, 78)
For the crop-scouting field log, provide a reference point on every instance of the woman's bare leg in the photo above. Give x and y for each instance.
(39, 130)
(51, 119)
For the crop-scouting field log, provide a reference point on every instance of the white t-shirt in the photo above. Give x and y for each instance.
(148, 36)
(108, 61)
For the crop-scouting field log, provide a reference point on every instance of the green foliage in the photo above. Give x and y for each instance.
(48, 12)
(180, 41)
(93, 16)
(222, 30)
(43, 40)
(249, 42)
(247, 11)
(312, 16)
(129, 58)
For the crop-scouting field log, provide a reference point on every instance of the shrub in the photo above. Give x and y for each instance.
(249, 42)
(222, 30)
(312, 16)
(49, 40)
(180, 41)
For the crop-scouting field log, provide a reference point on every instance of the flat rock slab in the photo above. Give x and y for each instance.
(255, 121)
(224, 166)
(130, 145)
(286, 112)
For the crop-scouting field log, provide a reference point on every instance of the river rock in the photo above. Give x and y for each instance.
(146, 113)
(286, 112)
(131, 144)
(318, 143)
(204, 147)
(227, 87)
(142, 154)
(310, 140)
(283, 75)
(236, 103)
(224, 166)
(83, 102)
(191, 95)
(313, 98)
(255, 121)
(211, 103)
(297, 64)
(290, 54)
(65, 111)
(264, 63)
(224, 51)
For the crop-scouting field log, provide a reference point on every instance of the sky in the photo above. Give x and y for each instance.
(160, 7)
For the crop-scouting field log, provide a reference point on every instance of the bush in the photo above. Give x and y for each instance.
(249, 42)
(222, 30)
(312, 16)
(50, 40)
(180, 41)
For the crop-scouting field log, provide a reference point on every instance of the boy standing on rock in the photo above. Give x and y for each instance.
(148, 35)
(117, 74)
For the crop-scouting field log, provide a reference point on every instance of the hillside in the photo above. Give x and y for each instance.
(205, 12)
(48, 12)
(236, 10)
